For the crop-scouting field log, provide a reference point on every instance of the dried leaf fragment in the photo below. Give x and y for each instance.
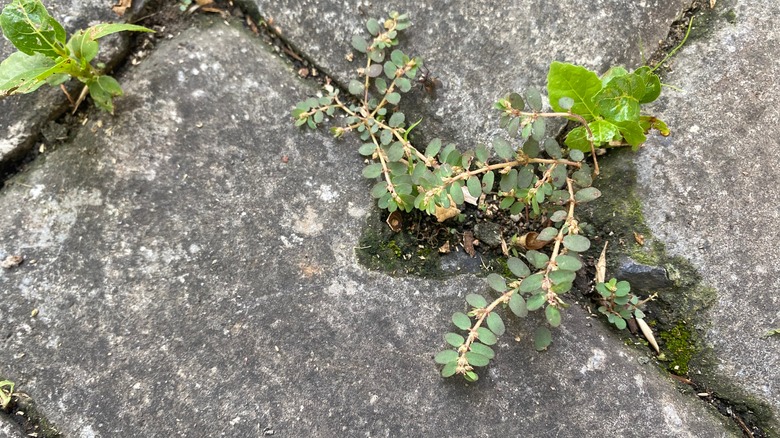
(122, 7)
(445, 249)
(12, 261)
(468, 243)
(601, 265)
(442, 214)
(530, 241)
(640, 238)
(712, 4)
(648, 334)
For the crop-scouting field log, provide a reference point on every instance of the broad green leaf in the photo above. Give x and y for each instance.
(476, 300)
(496, 282)
(518, 267)
(355, 87)
(537, 259)
(532, 283)
(372, 170)
(21, 73)
(575, 82)
(393, 98)
(486, 336)
(623, 288)
(534, 98)
(359, 43)
(446, 356)
(536, 302)
(503, 149)
(578, 139)
(613, 73)
(30, 28)
(632, 132)
(103, 89)
(483, 350)
(619, 100)
(495, 324)
(449, 369)
(461, 320)
(652, 84)
(553, 315)
(517, 306)
(576, 243)
(82, 46)
(569, 263)
(603, 131)
(100, 30)
(454, 339)
(474, 186)
(542, 338)
(477, 360)
(587, 194)
(487, 181)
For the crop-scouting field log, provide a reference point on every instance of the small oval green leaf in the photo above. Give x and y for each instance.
(495, 324)
(446, 356)
(496, 282)
(576, 243)
(461, 321)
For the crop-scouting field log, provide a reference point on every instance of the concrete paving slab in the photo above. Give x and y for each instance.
(191, 281)
(481, 50)
(710, 189)
(23, 117)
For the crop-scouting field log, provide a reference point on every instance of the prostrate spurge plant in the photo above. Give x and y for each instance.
(45, 56)
(532, 176)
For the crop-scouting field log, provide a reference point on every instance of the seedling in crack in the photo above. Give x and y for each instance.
(45, 56)
(525, 171)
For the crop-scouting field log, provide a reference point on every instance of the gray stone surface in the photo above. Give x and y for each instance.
(642, 277)
(711, 191)
(480, 49)
(190, 282)
(23, 116)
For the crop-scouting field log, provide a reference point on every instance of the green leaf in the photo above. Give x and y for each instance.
(477, 360)
(547, 234)
(576, 243)
(553, 315)
(373, 26)
(379, 189)
(403, 84)
(103, 89)
(542, 338)
(474, 186)
(393, 98)
(536, 302)
(576, 155)
(396, 150)
(471, 376)
(534, 98)
(487, 181)
(433, 147)
(476, 300)
(482, 350)
(587, 194)
(381, 85)
(30, 28)
(620, 323)
(532, 283)
(359, 43)
(449, 369)
(566, 103)
(559, 215)
(461, 321)
(517, 306)
(503, 149)
(603, 131)
(568, 263)
(518, 267)
(539, 126)
(652, 84)
(516, 101)
(355, 87)
(619, 100)
(397, 57)
(613, 73)
(454, 339)
(575, 82)
(446, 356)
(390, 69)
(537, 259)
(495, 324)
(81, 46)
(486, 336)
(632, 132)
(578, 139)
(623, 288)
(481, 153)
(100, 30)
(396, 120)
(21, 73)
(508, 181)
(372, 170)
(496, 282)
(647, 123)
(457, 193)
(561, 276)
(367, 149)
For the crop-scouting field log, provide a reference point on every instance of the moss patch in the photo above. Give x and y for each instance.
(680, 348)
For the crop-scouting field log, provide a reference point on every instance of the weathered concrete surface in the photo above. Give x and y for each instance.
(711, 193)
(481, 50)
(22, 117)
(190, 282)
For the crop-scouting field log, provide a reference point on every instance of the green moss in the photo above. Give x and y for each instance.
(680, 348)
